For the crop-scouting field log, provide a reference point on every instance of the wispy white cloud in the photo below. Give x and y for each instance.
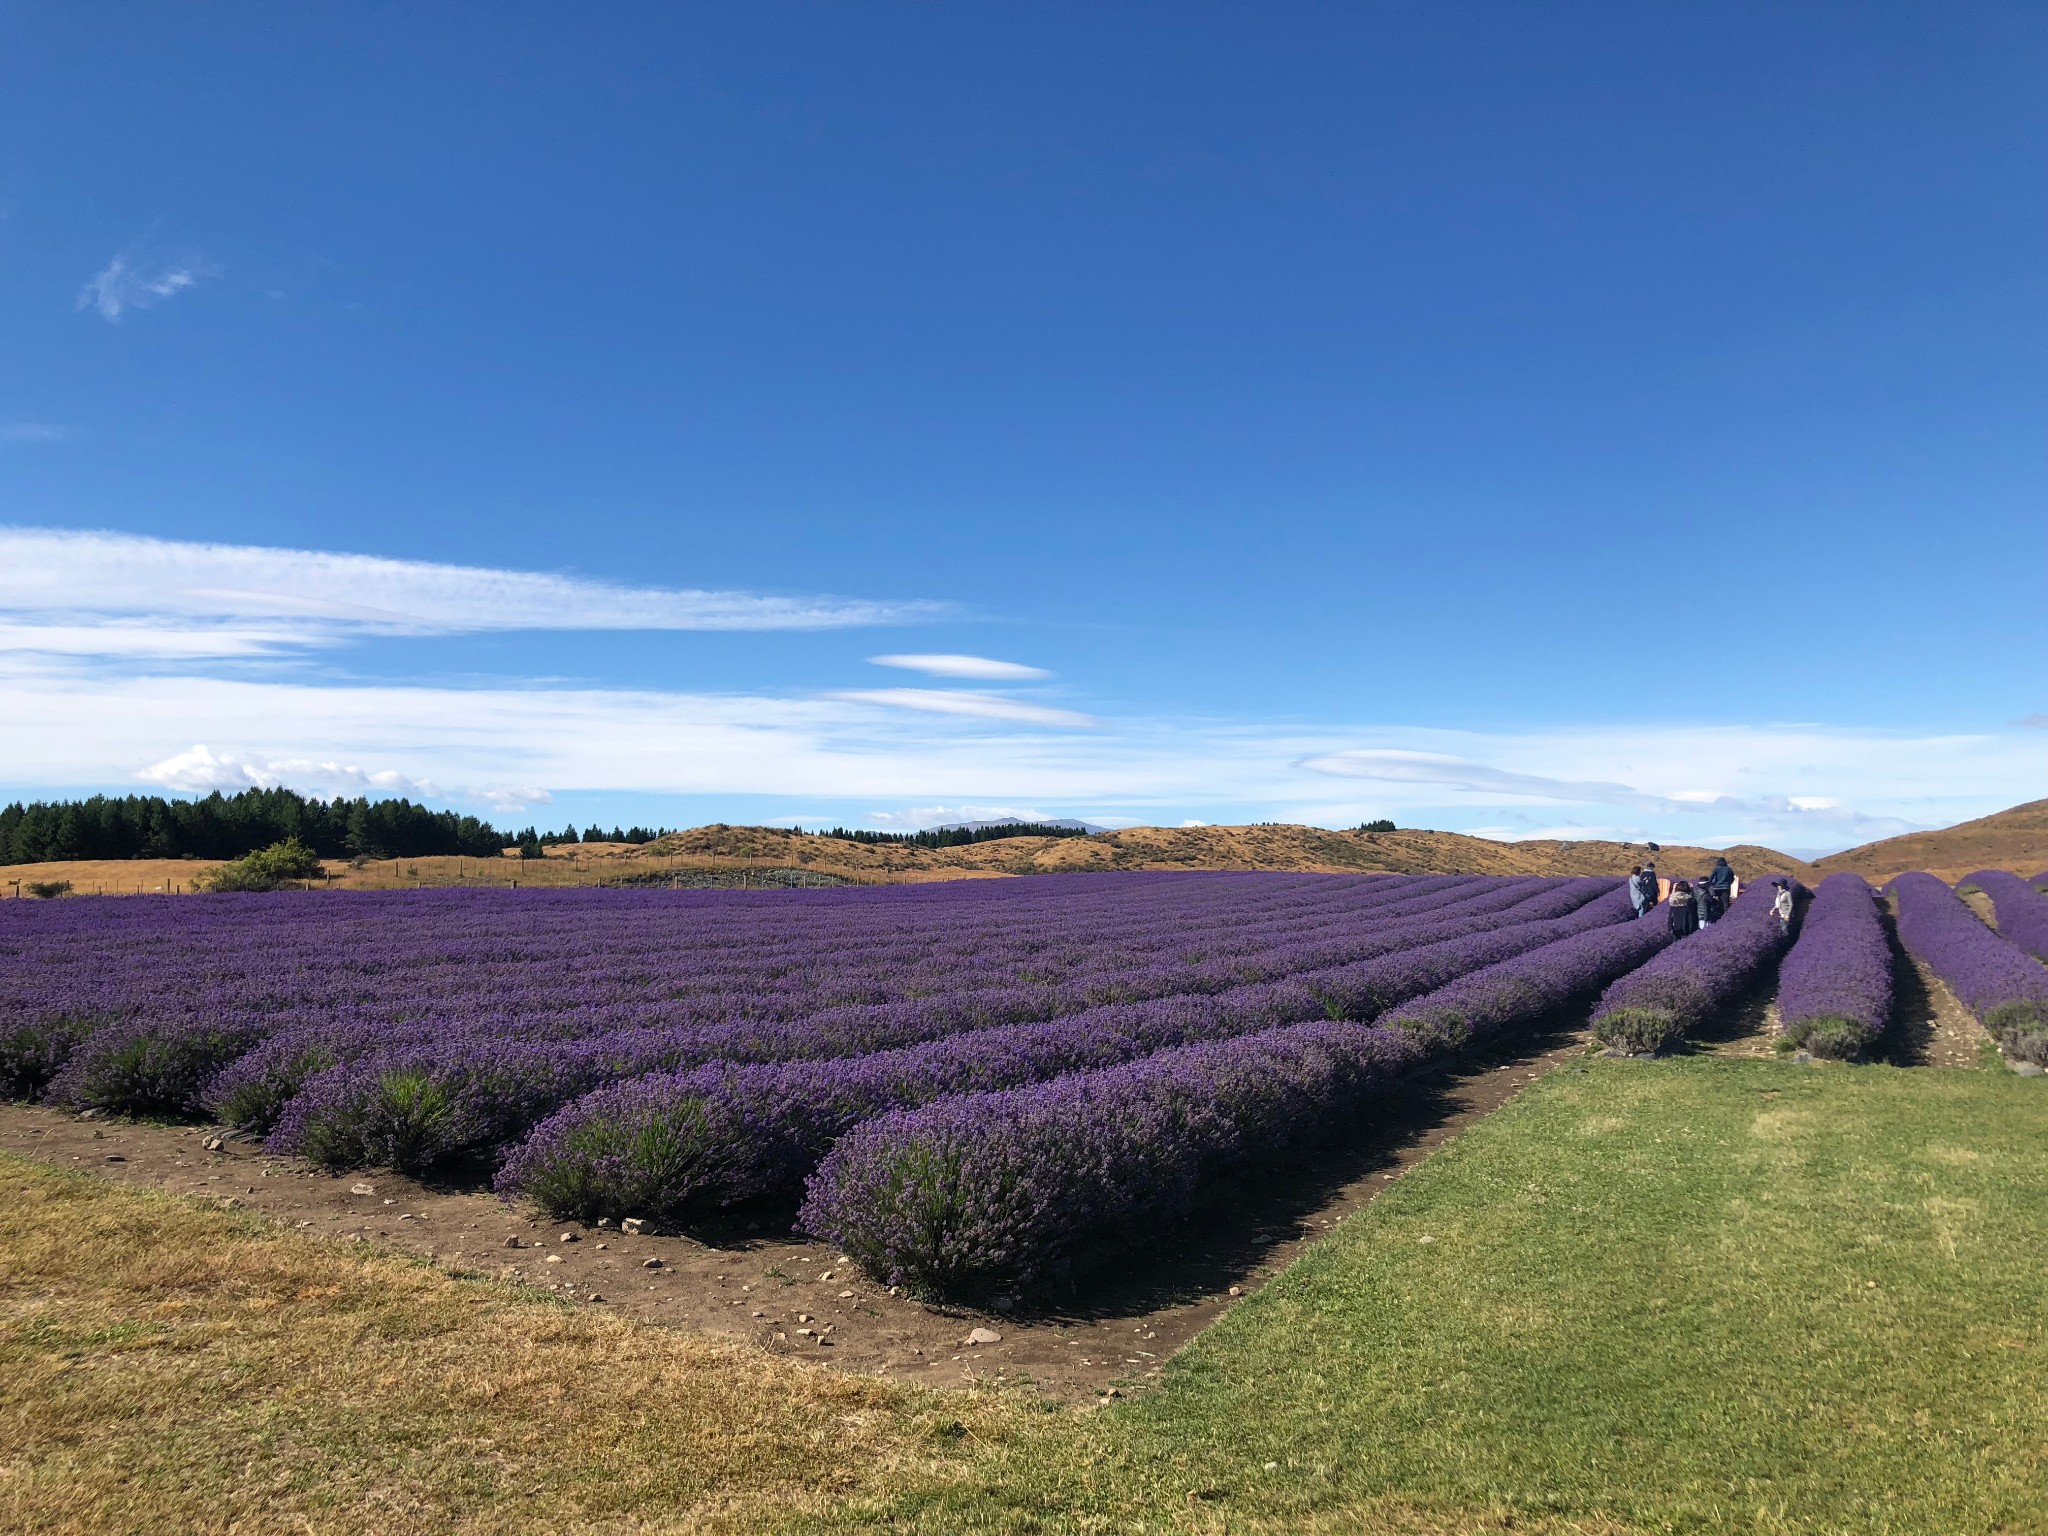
(1398, 767)
(973, 668)
(67, 727)
(36, 432)
(1810, 816)
(131, 281)
(133, 640)
(243, 598)
(981, 706)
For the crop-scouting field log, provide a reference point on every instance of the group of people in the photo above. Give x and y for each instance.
(1697, 904)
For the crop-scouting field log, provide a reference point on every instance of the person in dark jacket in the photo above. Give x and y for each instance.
(1703, 899)
(1721, 881)
(1685, 917)
(1651, 895)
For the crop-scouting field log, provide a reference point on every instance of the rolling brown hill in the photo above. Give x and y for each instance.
(2015, 839)
(1260, 847)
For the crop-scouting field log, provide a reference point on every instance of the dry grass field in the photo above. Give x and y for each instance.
(1257, 847)
(2015, 839)
(729, 855)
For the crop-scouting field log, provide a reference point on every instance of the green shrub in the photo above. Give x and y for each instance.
(266, 869)
(43, 890)
(1837, 1039)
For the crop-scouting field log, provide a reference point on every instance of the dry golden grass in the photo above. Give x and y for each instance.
(1277, 847)
(167, 1366)
(113, 877)
(2015, 839)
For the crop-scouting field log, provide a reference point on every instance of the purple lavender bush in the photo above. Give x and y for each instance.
(1835, 987)
(1517, 992)
(2007, 991)
(666, 1146)
(999, 1191)
(34, 1050)
(1236, 934)
(485, 1092)
(1658, 1004)
(137, 1068)
(992, 1191)
(2022, 910)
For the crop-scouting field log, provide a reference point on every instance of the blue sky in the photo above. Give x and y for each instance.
(1569, 420)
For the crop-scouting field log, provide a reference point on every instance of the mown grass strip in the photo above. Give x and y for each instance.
(1700, 1295)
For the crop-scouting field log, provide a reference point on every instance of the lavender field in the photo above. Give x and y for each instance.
(970, 1087)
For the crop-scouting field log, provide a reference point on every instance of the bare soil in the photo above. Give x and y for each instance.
(767, 1286)
(1930, 1027)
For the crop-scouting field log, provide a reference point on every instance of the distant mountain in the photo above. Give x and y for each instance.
(1019, 821)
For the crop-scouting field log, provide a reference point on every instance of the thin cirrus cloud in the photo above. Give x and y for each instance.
(1401, 767)
(91, 593)
(982, 706)
(36, 432)
(131, 281)
(981, 669)
(1818, 814)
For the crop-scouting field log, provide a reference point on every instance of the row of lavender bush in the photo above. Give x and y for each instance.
(254, 1093)
(2022, 910)
(467, 1095)
(996, 1191)
(2001, 985)
(198, 977)
(1653, 1008)
(1835, 987)
(667, 1146)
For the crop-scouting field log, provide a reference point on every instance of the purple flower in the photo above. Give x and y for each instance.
(1835, 987)
(990, 1191)
(2007, 991)
(2022, 910)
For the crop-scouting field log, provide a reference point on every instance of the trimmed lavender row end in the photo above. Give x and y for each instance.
(1835, 987)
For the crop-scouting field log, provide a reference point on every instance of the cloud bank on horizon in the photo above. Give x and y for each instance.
(132, 662)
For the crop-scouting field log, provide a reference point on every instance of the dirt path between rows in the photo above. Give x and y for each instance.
(766, 1286)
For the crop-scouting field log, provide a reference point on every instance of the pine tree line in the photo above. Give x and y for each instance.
(231, 826)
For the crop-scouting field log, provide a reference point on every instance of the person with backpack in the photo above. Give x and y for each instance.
(1685, 917)
(1703, 898)
(1721, 881)
(1636, 898)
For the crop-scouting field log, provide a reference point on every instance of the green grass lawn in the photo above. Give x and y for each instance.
(1708, 1295)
